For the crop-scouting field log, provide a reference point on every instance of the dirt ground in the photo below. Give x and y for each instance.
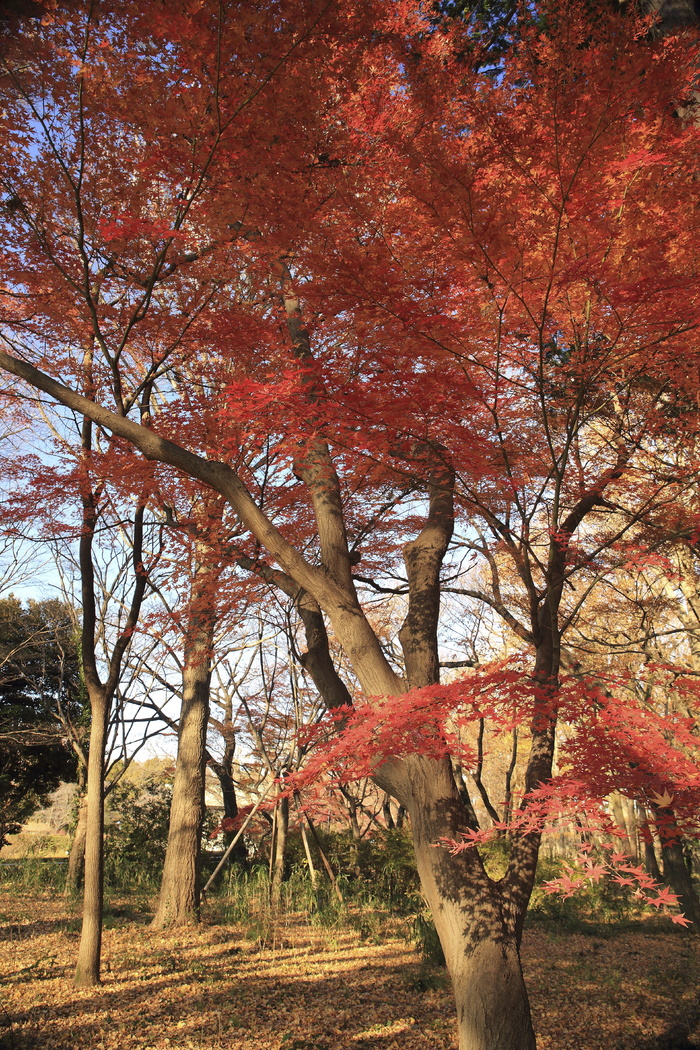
(313, 988)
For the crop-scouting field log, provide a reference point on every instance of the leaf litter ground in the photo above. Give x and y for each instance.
(313, 988)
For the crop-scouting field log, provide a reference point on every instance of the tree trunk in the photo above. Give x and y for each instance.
(678, 877)
(87, 970)
(224, 774)
(479, 933)
(650, 862)
(228, 792)
(351, 807)
(617, 804)
(676, 873)
(279, 851)
(307, 852)
(478, 921)
(324, 859)
(179, 898)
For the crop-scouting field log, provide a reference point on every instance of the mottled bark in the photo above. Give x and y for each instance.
(479, 923)
(478, 932)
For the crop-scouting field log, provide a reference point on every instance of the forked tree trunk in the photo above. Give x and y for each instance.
(179, 898)
(87, 970)
(479, 922)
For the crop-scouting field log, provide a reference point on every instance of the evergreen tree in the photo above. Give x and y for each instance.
(39, 690)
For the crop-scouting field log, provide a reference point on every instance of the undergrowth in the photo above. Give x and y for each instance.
(377, 881)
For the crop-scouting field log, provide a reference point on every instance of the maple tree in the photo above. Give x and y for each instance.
(365, 291)
(643, 627)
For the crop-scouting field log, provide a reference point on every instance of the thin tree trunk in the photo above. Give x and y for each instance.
(87, 970)
(179, 897)
(224, 774)
(650, 861)
(279, 850)
(307, 852)
(621, 821)
(476, 777)
(100, 694)
(351, 806)
(508, 799)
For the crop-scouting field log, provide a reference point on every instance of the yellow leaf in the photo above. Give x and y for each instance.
(664, 801)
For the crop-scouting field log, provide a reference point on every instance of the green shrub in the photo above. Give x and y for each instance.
(34, 873)
(137, 833)
(425, 937)
(598, 902)
(378, 871)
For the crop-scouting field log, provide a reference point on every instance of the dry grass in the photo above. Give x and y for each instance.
(310, 988)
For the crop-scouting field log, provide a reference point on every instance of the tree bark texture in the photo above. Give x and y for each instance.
(476, 926)
(278, 846)
(179, 898)
(676, 872)
(87, 970)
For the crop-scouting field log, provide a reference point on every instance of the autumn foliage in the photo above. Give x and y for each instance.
(428, 325)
